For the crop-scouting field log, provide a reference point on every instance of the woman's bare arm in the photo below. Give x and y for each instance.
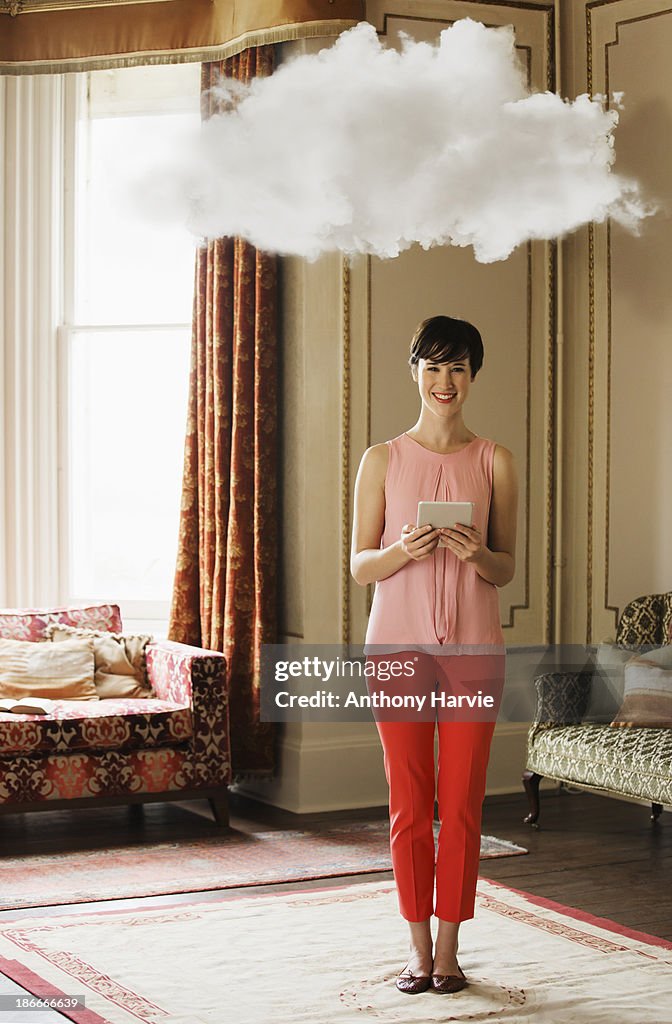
(368, 561)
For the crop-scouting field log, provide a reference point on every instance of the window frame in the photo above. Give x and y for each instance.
(139, 614)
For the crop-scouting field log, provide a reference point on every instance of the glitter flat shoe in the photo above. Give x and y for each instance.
(411, 983)
(444, 983)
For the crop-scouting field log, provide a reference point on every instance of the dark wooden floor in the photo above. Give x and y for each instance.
(591, 852)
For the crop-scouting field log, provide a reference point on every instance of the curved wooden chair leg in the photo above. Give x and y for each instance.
(656, 811)
(531, 782)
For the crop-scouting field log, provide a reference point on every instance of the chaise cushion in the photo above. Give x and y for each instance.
(647, 698)
(96, 726)
(608, 682)
(562, 697)
(646, 620)
(635, 762)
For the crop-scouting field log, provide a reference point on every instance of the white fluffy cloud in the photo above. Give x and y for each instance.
(366, 149)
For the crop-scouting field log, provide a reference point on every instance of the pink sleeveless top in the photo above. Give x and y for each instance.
(440, 605)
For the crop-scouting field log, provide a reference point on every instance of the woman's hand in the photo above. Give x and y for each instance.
(494, 560)
(464, 541)
(418, 542)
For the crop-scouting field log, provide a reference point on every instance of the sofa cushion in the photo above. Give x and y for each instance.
(120, 660)
(646, 620)
(661, 656)
(31, 623)
(96, 726)
(647, 697)
(29, 669)
(635, 762)
(608, 682)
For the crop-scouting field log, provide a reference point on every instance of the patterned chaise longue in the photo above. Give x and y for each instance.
(173, 745)
(635, 761)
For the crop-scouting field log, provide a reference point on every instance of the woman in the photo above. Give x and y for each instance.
(436, 596)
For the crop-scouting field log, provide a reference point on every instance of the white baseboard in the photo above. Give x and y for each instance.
(343, 770)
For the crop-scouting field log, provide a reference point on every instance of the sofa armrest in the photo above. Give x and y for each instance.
(562, 698)
(196, 678)
(174, 670)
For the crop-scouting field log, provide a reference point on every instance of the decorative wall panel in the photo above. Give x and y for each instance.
(511, 303)
(629, 544)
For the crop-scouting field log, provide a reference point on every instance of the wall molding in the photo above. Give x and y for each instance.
(604, 21)
(379, 12)
(345, 453)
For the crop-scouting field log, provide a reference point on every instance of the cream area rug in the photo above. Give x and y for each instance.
(331, 955)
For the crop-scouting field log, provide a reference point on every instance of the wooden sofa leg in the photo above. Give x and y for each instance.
(220, 809)
(656, 811)
(531, 782)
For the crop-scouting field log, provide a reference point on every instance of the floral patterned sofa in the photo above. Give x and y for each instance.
(563, 745)
(173, 745)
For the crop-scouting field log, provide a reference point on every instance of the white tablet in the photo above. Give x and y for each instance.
(445, 514)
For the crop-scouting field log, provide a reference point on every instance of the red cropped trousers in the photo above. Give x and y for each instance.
(458, 784)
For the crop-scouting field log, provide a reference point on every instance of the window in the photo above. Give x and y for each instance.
(125, 345)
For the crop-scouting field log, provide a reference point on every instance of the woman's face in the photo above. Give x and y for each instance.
(444, 387)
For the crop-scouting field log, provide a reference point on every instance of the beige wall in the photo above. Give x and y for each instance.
(617, 441)
(588, 406)
(641, 313)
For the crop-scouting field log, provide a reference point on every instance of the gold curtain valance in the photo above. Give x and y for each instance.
(56, 36)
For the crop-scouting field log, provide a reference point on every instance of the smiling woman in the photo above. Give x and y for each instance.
(441, 601)
(444, 368)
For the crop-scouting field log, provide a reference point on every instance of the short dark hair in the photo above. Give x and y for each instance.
(444, 339)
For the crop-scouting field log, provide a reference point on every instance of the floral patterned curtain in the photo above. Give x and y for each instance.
(224, 594)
